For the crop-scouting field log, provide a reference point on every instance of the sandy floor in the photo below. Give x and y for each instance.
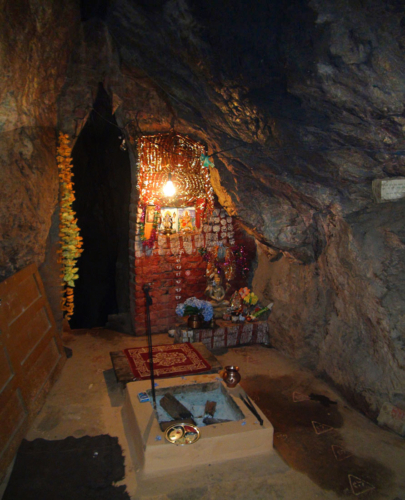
(323, 452)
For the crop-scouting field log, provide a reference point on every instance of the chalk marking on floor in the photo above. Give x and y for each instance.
(340, 453)
(359, 486)
(298, 397)
(321, 428)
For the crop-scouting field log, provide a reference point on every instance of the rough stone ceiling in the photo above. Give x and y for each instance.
(311, 92)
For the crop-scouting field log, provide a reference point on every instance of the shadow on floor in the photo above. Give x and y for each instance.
(115, 389)
(306, 435)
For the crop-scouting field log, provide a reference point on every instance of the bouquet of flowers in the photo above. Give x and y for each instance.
(248, 297)
(195, 306)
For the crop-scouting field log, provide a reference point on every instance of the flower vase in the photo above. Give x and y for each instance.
(194, 321)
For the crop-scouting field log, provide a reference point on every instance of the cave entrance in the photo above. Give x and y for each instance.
(102, 178)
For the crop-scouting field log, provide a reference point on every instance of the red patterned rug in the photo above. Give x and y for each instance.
(168, 361)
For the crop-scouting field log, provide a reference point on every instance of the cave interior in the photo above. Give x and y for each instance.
(298, 104)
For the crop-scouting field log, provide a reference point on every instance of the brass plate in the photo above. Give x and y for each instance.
(182, 434)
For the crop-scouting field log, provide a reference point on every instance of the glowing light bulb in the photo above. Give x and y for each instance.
(169, 188)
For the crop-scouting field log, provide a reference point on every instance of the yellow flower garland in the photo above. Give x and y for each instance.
(69, 233)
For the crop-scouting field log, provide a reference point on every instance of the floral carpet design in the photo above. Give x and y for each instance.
(168, 361)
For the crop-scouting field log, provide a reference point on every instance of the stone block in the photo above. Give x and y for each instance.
(388, 189)
(206, 342)
(232, 340)
(219, 332)
(188, 247)
(162, 252)
(233, 330)
(206, 334)
(246, 335)
(218, 343)
(262, 333)
(393, 418)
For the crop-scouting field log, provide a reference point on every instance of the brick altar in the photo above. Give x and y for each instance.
(225, 334)
(175, 269)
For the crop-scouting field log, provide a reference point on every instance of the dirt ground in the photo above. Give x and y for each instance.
(323, 450)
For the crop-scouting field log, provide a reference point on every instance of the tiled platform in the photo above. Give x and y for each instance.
(225, 334)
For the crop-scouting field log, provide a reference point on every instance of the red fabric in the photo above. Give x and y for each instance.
(168, 361)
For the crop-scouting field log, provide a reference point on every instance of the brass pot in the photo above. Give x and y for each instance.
(195, 321)
(231, 376)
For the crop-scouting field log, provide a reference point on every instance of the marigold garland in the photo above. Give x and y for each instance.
(69, 232)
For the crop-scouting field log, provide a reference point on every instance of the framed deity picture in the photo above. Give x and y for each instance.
(187, 220)
(168, 220)
(150, 214)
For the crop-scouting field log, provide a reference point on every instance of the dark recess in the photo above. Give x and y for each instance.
(90, 9)
(102, 180)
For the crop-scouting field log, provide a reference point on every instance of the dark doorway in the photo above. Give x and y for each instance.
(102, 178)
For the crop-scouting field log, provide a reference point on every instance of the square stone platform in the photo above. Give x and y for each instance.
(152, 454)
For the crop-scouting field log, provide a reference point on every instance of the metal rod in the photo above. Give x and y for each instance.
(149, 302)
(252, 408)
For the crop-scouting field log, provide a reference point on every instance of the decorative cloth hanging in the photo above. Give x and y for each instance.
(184, 159)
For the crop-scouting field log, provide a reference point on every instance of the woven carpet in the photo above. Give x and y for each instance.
(168, 361)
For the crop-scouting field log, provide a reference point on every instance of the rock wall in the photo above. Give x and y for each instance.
(343, 315)
(35, 44)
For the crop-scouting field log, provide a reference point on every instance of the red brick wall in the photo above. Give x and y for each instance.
(174, 268)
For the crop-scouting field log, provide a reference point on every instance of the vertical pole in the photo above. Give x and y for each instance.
(149, 302)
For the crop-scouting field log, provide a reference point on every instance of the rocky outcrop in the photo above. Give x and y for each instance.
(35, 42)
(342, 316)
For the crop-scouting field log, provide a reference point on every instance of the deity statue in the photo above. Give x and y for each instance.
(216, 293)
(215, 290)
(222, 256)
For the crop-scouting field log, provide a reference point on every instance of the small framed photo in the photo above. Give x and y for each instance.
(150, 214)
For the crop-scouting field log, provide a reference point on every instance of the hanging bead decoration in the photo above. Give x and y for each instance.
(180, 156)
